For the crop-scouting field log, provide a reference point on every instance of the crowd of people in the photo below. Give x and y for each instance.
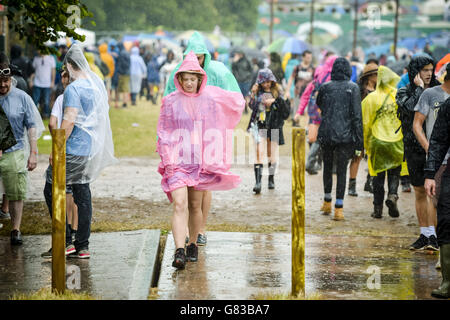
(397, 119)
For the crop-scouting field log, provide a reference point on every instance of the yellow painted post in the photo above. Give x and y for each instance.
(59, 211)
(298, 211)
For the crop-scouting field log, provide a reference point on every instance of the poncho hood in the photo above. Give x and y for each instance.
(190, 64)
(103, 48)
(135, 51)
(198, 46)
(416, 64)
(387, 79)
(341, 69)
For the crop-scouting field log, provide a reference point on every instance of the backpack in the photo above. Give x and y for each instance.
(104, 68)
(313, 96)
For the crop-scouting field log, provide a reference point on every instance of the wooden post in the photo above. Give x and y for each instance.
(355, 28)
(59, 211)
(298, 211)
(311, 21)
(271, 22)
(397, 7)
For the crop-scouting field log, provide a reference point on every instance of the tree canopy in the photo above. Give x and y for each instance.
(39, 21)
(230, 15)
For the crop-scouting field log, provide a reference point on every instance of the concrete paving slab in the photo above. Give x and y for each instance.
(122, 265)
(242, 265)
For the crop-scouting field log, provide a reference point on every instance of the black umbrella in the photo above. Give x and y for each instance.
(398, 66)
(249, 52)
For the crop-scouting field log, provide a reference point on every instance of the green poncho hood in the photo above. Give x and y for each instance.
(218, 74)
(197, 44)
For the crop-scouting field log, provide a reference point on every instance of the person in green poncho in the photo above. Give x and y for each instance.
(383, 141)
(217, 75)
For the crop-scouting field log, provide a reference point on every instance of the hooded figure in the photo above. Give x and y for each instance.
(107, 59)
(407, 98)
(86, 105)
(343, 123)
(89, 147)
(382, 141)
(340, 132)
(193, 134)
(91, 61)
(138, 71)
(217, 73)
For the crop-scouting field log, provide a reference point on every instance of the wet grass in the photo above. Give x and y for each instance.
(108, 217)
(134, 131)
(47, 294)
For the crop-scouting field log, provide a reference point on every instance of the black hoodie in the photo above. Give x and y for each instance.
(340, 103)
(407, 98)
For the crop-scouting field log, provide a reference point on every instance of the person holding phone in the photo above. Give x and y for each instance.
(421, 77)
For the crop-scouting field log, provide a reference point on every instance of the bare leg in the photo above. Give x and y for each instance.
(117, 98)
(180, 216)
(16, 210)
(432, 216)
(261, 150)
(421, 206)
(354, 165)
(206, 206)
(5, 204)
(195, 198)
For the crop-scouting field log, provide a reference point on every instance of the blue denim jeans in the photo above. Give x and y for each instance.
(82, 198)
(45, 92)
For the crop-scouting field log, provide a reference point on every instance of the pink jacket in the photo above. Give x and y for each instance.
(319, 74)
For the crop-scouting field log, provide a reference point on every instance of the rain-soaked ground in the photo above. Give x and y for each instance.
(249, 266)
(341, 257)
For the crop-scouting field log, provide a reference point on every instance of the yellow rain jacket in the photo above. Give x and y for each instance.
(91, 60)
(382, 139)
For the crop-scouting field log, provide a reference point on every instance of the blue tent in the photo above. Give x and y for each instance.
(379, 50)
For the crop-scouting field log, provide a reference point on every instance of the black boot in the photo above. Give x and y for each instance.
(391, 203)
(377, 211)
(310, 166)
(258, 174)
(272, 168)
(443, 291)
(368, 185)
(352, 188)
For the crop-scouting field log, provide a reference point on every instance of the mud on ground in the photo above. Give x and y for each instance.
(128, 196)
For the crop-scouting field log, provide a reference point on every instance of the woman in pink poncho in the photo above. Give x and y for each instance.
(195, 132)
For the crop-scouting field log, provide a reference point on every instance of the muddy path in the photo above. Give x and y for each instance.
(129, 195)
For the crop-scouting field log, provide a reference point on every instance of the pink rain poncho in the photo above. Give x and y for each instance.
(195, 135)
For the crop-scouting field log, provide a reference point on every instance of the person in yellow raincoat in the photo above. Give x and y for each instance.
(91, 61)
(383, 141)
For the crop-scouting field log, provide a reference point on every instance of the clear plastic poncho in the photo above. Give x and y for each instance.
(91, 136)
